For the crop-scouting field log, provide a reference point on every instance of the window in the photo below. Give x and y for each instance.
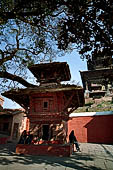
(45, 106)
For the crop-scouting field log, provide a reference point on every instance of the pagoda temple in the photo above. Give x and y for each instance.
(98, 80)
(48, 106)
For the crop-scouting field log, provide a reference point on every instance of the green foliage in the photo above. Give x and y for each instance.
(93, 107)
(99, 105)
(89, 104)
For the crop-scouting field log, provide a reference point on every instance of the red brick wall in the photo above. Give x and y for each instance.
(50, 150)
(94, 129)
(55, 102)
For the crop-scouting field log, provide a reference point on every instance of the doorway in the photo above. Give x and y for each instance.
(45, 131)
(15, 131)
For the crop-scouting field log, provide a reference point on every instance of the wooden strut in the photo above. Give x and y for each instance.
(35, 128)
(74, 108)
(68, 102)
(78, 99)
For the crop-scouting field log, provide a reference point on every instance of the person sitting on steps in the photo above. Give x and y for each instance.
(73, 140)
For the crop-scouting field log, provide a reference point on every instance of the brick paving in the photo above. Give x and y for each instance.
(91, 157)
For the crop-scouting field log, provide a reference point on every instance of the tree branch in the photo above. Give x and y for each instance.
(16, 78)
(5, 59)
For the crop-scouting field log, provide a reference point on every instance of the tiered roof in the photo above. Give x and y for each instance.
(49, 75)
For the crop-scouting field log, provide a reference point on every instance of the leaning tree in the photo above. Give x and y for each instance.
(33, 31)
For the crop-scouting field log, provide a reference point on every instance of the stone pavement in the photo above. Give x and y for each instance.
(91, 157)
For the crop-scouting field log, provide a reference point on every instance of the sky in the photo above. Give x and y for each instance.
(75, 63)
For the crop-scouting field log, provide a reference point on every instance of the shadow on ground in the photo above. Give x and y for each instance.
(76, 161)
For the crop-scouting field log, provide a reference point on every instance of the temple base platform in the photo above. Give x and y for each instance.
(60, 150)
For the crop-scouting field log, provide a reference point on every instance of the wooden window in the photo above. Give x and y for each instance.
(45, 105)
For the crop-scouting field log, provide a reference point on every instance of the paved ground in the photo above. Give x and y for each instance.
(91, 157)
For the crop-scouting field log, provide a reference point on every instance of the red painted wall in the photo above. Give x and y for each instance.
(92, 129)
(55, 102)
(50, 150)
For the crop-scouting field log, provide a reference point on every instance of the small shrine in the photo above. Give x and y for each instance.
(48, 106)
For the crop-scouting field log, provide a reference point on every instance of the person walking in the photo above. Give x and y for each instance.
(73, 140)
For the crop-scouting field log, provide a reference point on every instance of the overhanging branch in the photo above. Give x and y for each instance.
(15, 78)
